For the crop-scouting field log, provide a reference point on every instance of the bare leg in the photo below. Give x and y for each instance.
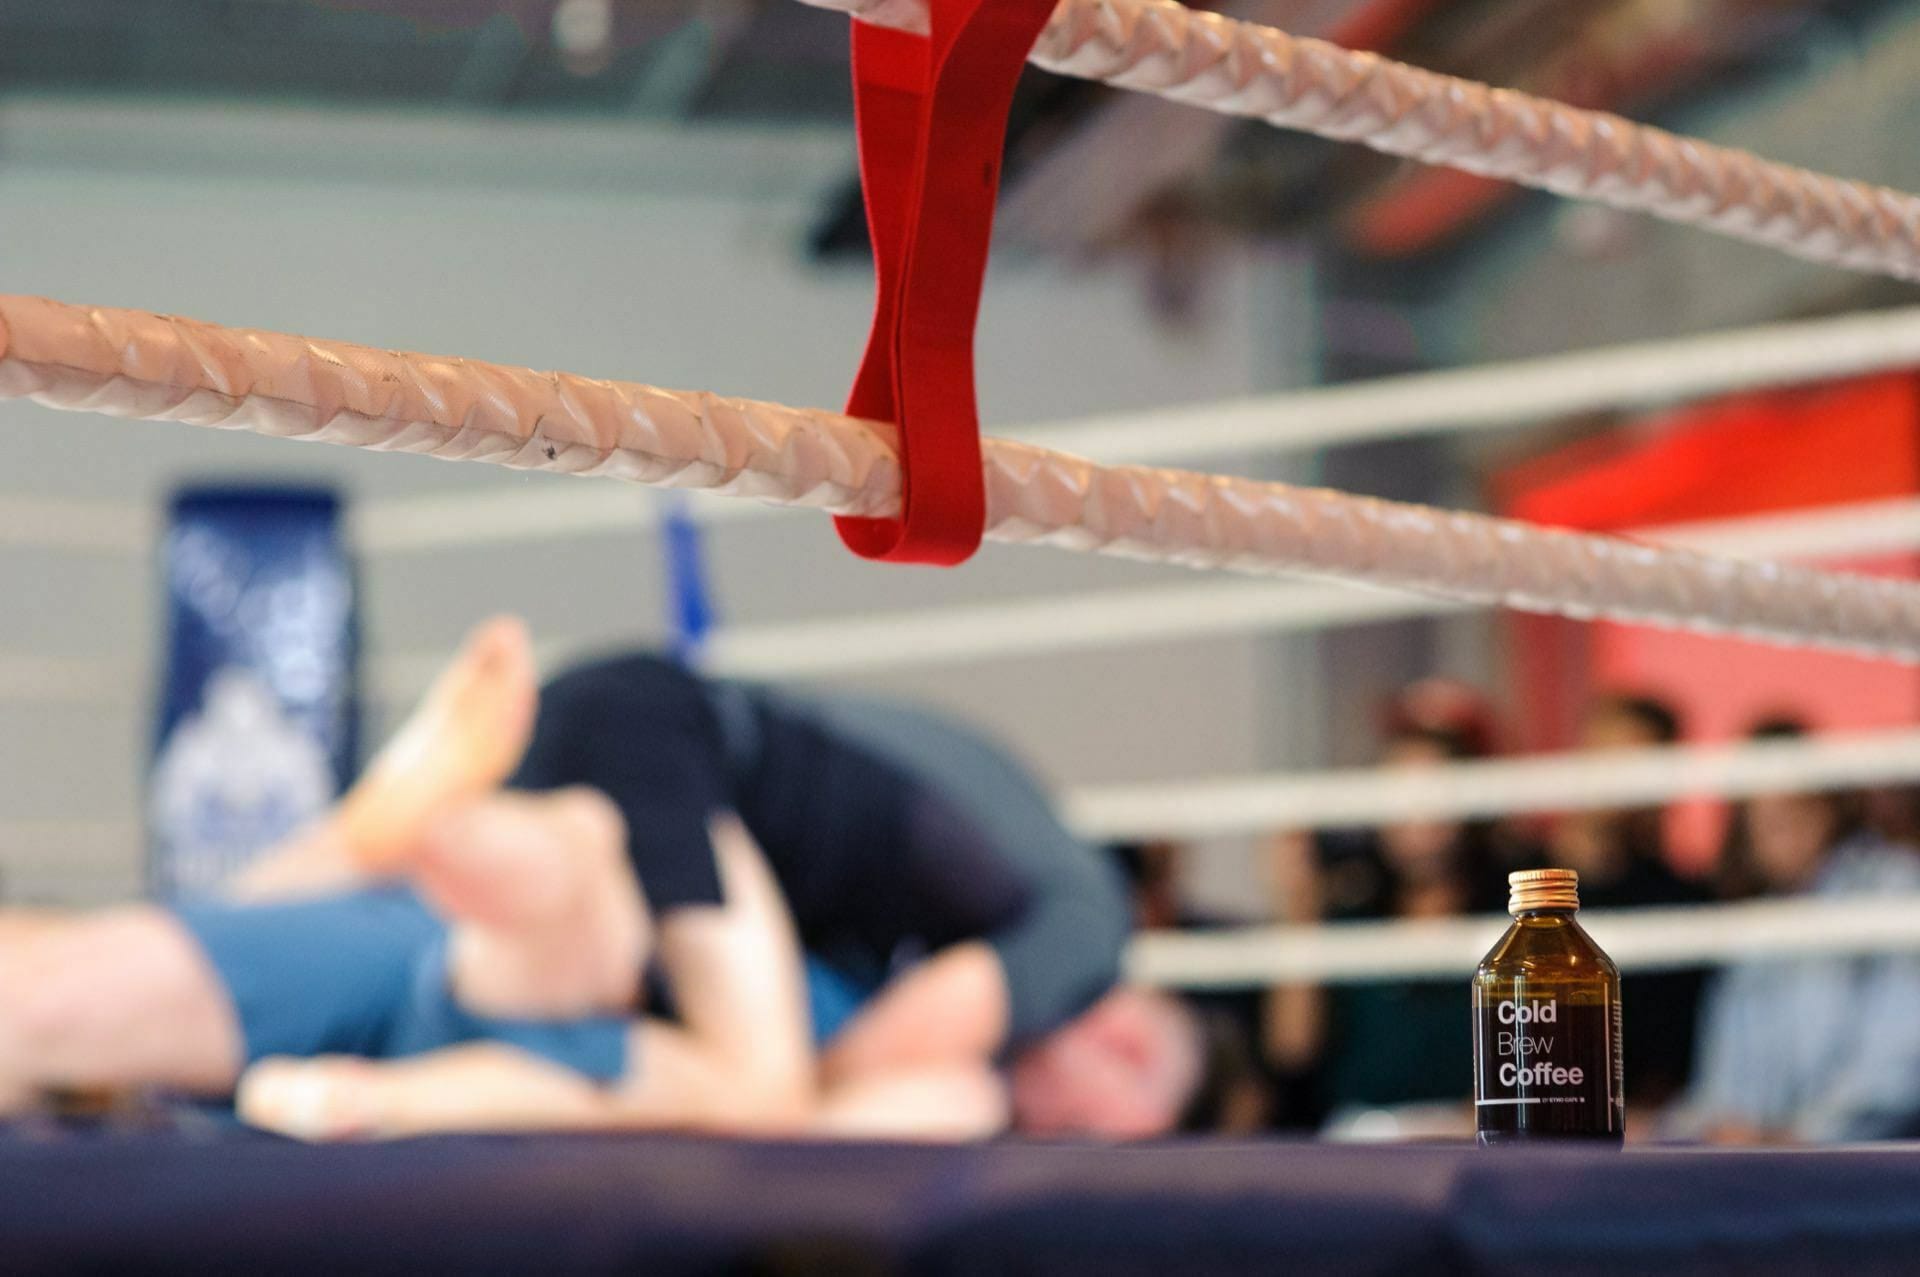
(126, 998)
(488, 1086)
(114, 999)
(462, 741)
(316, 861)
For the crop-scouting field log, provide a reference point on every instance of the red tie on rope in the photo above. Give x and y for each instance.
(932, 114)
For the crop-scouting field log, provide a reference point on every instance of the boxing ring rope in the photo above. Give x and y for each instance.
(1368, 797)
(1636, 939)
(1517, 392)
(918, 638)
(1511, 393)
(1118, 617)
(133, 364)
(1482, 788)
(948, 635)
(1241, 68)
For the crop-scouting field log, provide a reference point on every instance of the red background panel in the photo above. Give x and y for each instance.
(1794, 450)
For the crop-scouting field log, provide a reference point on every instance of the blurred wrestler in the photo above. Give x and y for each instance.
(438, 955)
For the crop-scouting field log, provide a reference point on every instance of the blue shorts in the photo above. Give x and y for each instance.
(365, 973)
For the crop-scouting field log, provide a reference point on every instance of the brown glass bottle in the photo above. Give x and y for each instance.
(1546, 1023)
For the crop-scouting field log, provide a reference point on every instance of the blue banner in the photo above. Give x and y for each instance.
(690, 599)
(258, 715)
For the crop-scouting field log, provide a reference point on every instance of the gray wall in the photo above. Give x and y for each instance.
(663, 256)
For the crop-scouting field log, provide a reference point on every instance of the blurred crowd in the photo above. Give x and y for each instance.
(1776, 1050)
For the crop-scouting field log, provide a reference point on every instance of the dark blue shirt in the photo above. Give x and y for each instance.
(893, 831)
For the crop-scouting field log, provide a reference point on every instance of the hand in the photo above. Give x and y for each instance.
(952, 1009)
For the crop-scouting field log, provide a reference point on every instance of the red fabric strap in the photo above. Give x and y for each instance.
(931, 112)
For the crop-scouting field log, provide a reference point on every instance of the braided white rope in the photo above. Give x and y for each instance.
(1636, 939)
(135, 364)
(1372, 796)
(1242, 68)
(1512, 393)
(916, 638)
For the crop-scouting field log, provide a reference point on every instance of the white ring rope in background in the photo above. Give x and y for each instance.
(1365, 797)
(94, 865)
(1096, 620)
(1512, 393)
(1112, 618)
(134, 364)
(1241, 68)
(1484, 788)
(1636, 939)
(1517, 392)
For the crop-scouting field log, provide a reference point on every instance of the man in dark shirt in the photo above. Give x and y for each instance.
(948, 921)
(1621, 856)
(894, 833)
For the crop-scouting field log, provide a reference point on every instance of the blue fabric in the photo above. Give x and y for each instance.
(430, 1018)
(365, 973)
(693, 612)
(833, 998)
(1823, 1048)
(313, 977)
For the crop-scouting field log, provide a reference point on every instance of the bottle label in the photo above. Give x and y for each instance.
(1545, 1064)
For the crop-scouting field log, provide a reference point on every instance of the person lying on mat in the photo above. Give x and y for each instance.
(857, 876)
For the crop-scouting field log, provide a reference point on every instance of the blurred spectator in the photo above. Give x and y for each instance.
(1447, 707)
(1392, 1042)
(1809, 1049)
(1622, 854)
(1233, 1096)
(1152, 871)
(1622, 859)
(1894, 813)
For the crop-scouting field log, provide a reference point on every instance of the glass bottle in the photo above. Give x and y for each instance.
(1546, 1023)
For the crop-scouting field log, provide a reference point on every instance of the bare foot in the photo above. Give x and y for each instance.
(481, 1086)
(463, 740)
(954, 1104)
(549, 919)
(325, 1098)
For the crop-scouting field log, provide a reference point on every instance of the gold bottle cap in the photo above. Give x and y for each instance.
(1542, 889)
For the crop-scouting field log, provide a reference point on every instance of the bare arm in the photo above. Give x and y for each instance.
(742, 1055)
(952, 1009)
